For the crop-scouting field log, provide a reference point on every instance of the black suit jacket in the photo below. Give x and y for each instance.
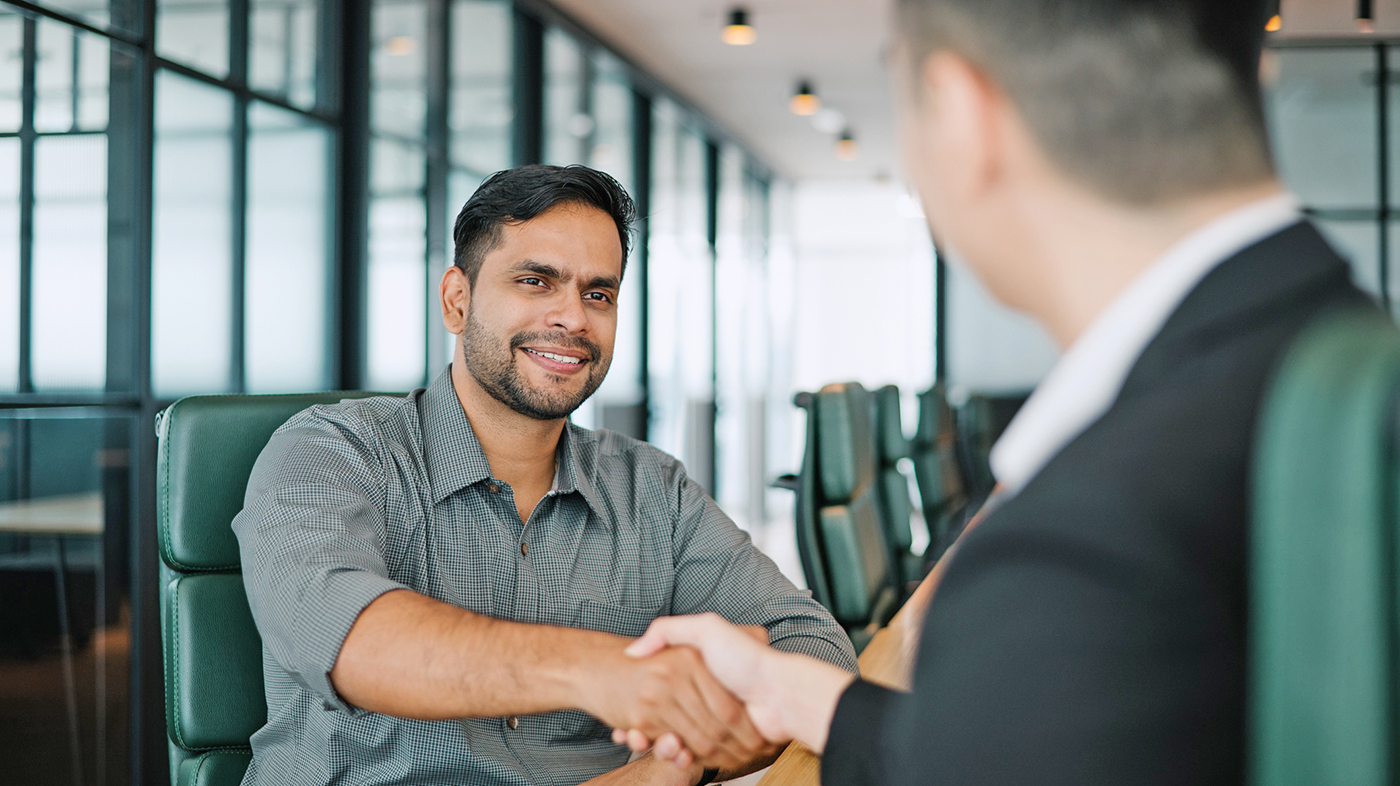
(1093, 629)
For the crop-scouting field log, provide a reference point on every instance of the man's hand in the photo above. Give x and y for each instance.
(786, 696)
(670, 690)
(648, 771)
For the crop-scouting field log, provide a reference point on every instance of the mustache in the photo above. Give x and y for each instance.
(562, 340)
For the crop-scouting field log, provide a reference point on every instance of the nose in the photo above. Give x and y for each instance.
(567, 312)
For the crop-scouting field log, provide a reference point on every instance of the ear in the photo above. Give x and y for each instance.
(455, 293)
(968, 144)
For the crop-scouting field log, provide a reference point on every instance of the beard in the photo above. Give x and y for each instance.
(491, 361)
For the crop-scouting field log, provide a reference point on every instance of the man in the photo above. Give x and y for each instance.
(1101, 165)
(445, 582)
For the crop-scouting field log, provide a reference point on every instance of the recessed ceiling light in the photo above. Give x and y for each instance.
(804, 101)
(738, 32)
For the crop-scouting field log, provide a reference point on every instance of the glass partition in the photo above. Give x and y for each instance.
(192, 244)
(289, 225)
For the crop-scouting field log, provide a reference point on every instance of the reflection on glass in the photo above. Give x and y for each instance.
(398, 290)
(681, 331)
(398, 100)
(194, 32)
(286, 268)
(11, 70)
(100, 13)
(611, 150)
(69, 340)
(568, 118)
(1321, 108)
(9, 265)
(64, 655)
(617, 404)
(70, 80)
(192, 241)
(1358, 242)
(282, 49)
(481, 104)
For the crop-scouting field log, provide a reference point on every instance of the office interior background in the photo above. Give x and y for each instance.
(256, 196)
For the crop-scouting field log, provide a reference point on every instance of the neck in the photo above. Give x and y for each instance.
(520, 449)
(1091, 250)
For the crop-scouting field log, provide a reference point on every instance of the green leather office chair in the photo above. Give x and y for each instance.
(213, 655)
(942, 492)
(840, 527)
(1324, 606)
(891, 447)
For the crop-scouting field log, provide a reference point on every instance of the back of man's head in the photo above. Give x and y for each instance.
(1143, 101)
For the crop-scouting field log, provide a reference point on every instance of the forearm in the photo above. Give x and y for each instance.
(648, 771)
(411, 656)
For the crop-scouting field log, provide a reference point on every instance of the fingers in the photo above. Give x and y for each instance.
(673, 631)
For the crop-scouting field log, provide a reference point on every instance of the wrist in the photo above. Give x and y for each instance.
(805, 693)
(582, 673)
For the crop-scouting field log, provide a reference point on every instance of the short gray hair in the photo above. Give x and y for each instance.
(1143, 101)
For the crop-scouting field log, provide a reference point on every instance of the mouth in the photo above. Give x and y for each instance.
(557, 361)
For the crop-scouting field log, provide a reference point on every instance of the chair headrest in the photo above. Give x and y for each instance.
(845, 440)
(208, 445)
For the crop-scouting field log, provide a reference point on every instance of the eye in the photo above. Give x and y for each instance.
(533, 281)
(598, 297)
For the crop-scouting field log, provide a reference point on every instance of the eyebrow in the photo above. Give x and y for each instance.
(549, 271)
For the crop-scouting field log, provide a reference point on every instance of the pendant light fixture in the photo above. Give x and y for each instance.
(1275, 16)
(805, 102)
(1365, 16)
(738, 32)
(846, 147)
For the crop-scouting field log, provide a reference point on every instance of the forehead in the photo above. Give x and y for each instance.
(578, 239)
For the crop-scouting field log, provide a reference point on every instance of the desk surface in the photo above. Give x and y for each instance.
(74, 514)
(887, 660)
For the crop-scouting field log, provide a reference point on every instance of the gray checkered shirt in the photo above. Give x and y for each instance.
(355, 499)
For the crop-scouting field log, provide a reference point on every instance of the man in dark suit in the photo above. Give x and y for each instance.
(1101, 165)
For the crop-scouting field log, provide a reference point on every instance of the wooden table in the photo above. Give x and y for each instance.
(887, 660)
(74, 514)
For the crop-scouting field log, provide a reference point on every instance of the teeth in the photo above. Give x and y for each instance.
(557, 358)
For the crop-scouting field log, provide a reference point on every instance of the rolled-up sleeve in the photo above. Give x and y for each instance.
(312, 538)
(719, 569)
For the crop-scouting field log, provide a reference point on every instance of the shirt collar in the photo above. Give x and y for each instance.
(455, 459)
(1088, 377)
(454, 456)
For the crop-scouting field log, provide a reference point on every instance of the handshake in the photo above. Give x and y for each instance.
(705, 691)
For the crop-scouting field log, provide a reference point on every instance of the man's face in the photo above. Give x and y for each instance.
(542, 315)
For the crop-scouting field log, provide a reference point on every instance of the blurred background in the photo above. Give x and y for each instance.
(256, 196)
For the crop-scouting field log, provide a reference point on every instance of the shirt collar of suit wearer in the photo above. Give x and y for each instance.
(1088, 377)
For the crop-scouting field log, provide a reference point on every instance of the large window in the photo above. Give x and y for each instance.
(1333, 123)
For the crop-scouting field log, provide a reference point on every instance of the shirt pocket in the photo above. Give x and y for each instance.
(621, 620)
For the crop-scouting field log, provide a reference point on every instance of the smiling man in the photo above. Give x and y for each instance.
(445, 583)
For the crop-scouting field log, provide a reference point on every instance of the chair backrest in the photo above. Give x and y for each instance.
(942, 491)
(214, 697)
(857, 552)
(1323, 649)
(898, 507)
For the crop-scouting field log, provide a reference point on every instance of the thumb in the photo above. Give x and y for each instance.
(668, 632)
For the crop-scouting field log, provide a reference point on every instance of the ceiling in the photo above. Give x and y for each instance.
(837, 44)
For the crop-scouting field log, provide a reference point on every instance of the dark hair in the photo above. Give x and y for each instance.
(1142, 100)
(514, 196)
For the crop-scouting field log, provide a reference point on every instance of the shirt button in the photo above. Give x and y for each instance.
(513, 722)
(524, 549)
(493, 488)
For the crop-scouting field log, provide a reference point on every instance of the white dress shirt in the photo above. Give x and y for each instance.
(1086, 380)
